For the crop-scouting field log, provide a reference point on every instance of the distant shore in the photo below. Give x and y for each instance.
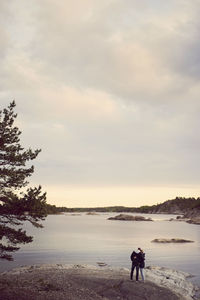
(87, 282)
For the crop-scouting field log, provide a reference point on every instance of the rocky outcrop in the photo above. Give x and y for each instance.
(192, 213)
(167, 208)
(176, 206)
(179, 218)
(173, 279)
(195, 220)
(85, 282)
(174, 240)
(192, 216)
(124, 217)
(189, 218)
(74, 215)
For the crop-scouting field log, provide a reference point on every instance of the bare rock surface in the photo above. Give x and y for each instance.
(124, 217)
(191, 220)
(73, 282)
(174, 280)
(173, 240)
(179, 218)
(194, 220)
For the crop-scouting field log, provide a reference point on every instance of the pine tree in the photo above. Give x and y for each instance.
(17, 203)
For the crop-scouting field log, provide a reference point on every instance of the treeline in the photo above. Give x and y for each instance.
(177, 205)
(53, 209)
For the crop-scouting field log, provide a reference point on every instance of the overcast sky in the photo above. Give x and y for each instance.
(109, 89)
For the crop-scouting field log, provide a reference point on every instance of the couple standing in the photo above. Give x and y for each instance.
(138, 263)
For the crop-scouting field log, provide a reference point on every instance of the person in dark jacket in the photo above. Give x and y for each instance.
(141, 259)
(135, 265)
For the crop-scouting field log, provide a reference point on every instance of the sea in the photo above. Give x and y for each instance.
(92, 239)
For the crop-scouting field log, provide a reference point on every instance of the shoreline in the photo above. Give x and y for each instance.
(67, 281)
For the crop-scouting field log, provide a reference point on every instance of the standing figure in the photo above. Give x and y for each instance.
(135, 264)
(141, 259)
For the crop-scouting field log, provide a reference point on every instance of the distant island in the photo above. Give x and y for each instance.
(124, 217)
(188, 208)
(174, 240)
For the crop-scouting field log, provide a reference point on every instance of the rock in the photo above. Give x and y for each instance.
(124, 217)
(195, 220)
(101, 264)
(188, 218)
(74, 215)
(173, 279)
(174, 240)
(192, 213)
(85, 282)
(91, 213)
(179, 219)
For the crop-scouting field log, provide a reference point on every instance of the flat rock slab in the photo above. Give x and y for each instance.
(74, 284)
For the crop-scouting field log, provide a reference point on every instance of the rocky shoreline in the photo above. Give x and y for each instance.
(191, 220)
(73, 282)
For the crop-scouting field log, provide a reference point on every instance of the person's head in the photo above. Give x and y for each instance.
(140, 250)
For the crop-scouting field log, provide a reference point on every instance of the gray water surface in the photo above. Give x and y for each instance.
(92, 238)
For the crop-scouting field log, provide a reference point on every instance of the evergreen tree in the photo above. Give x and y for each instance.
(17, 203)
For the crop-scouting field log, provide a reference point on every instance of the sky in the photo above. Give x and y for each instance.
(109, 90)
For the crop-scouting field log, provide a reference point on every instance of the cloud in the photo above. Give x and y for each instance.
(138, 52)
(108, 89)
(132, 51)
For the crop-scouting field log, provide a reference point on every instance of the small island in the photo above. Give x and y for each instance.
(92, 213)
(174, 240)
(124, 217)
(74, 215)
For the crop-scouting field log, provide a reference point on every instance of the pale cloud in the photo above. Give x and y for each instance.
(127, 52)
(68, 102)
(125, 49)
(108, 89)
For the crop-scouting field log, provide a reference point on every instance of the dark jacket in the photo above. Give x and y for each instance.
(134, 258)
(141, 258)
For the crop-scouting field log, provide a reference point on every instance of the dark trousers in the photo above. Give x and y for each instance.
(132, 270)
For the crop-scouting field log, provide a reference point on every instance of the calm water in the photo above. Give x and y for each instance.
(90, 239)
